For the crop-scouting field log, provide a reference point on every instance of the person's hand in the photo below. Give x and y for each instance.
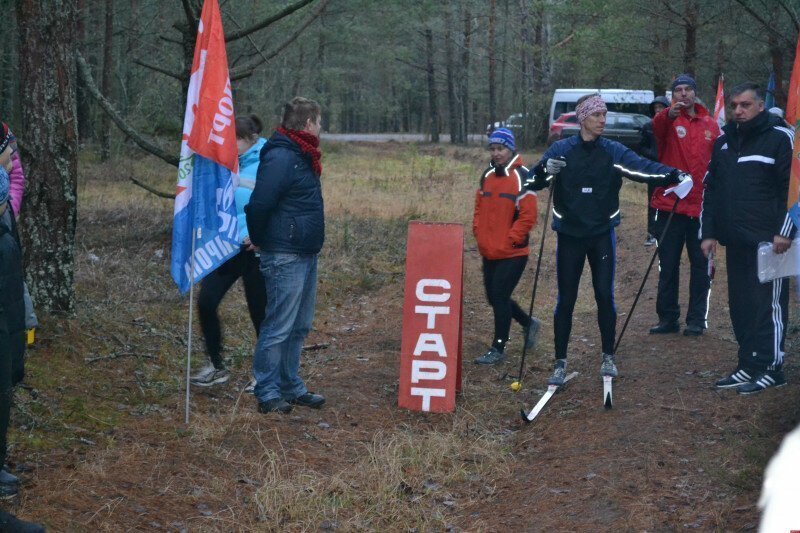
(781, 244)
(683, 187)
(709, 247)
(249, 246)
(675, 109)
(554, 166)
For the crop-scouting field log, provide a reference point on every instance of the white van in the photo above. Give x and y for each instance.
(619, 100)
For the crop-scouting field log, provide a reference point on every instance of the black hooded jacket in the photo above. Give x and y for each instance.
(747, 183)
(12, 305)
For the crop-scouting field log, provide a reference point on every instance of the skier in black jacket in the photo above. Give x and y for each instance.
(744, 204)
(587, 172)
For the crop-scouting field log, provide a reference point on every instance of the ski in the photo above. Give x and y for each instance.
(551, 389)
(608, 393)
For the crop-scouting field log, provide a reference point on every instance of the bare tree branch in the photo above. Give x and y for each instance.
(188, 9)
(86, 74)
(238, 34)
(170, 73)
(247, 70)
(170, 40)
(148, 188)
(792, 15)
(764, 23)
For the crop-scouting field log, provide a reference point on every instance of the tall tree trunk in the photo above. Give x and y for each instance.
(452, 105)
(465, 77)
(432, 100)
(492, 63)
(84, 110)
(690, 46)
(108, 75)
(47, 71)
(525, 68)
(776, 52)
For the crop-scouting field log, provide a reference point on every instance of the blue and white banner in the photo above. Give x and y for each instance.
(209, 164)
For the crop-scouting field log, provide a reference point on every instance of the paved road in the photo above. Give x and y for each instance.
(396, 137)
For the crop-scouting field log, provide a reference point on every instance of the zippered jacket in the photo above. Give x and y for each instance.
(684, 143)
(248, 167)
(505, 211)
(285, 213)
(586, 194)
(12, 305)
(747, 183)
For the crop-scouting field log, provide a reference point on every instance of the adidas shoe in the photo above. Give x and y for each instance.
(209, 375)
(608, 368)
(559, 373)
(770, 378)
(532, 333)
(493, 356)
(737, 378)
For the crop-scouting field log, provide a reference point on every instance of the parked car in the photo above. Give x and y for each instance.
(625, 128)
(561, 122)
(513, 122)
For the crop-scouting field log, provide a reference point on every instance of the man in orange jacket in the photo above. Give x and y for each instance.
(685, 133)
(505, 212)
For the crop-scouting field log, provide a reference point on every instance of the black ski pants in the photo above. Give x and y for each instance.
(500, 277)
(214, 287)
(759, 311)
(682, 231)
(571, 254)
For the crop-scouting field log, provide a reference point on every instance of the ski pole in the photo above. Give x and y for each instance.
(517, 384)
(647, 272)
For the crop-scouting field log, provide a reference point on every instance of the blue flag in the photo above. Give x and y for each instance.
(769, 101)
(209, 165)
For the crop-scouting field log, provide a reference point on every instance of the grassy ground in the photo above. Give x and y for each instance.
(99, 441)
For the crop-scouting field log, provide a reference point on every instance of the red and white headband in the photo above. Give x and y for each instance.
(590, 106)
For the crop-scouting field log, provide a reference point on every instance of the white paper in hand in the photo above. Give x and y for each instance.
(773, 266)
(682, 189)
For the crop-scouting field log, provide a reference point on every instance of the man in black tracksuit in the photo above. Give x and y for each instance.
(744, 203)
(587, 172)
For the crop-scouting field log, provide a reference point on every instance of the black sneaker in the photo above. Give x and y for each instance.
(309, 399)
(8, 478)
(770, 378)
(275, 405)
(692, 331)
(665, 327)
(9, 522)
(532, 333)
(737, 378)
(493, 356)
(559, 373)
(7, 490)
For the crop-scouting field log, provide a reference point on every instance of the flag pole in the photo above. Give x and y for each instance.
(191, 308)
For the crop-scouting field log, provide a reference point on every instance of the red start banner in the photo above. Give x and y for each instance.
(430, 354)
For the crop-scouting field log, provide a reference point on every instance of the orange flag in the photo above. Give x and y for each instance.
(793, 117)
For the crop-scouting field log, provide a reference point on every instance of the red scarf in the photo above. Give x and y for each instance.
(308, 143)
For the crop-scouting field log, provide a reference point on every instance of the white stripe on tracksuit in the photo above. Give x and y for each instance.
(777, 322)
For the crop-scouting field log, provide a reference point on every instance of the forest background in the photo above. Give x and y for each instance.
(73, 66)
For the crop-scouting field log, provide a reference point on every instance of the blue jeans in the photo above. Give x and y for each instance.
(291, 281)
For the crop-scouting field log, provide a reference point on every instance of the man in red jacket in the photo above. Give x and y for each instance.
(685, 133)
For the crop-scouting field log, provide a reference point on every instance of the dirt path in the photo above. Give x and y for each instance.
(101, 445)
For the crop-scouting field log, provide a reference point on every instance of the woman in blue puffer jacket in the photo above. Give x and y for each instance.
(243, 265)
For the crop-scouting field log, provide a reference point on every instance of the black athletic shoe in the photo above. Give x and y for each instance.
(275, 405)
(692, 331)
(770, 378)
(737, 378)
(309, 399)
(559, 373)
(9, 522)
(7, 490)
(8, 478)
(665, 327)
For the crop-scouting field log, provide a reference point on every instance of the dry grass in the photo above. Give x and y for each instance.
(107, 450)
